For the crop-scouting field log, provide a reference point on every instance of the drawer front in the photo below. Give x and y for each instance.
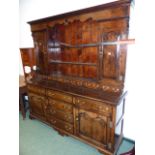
(94, 106)
(61, 106)
(60, 124)
(36, 98)
(59, 114)
(59, 96)
(36, 89)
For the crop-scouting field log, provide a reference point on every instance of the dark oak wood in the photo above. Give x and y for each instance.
(78, 85)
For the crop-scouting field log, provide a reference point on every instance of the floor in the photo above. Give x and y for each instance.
(36, 138)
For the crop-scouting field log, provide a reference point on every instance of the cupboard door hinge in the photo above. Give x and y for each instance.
(110, 124)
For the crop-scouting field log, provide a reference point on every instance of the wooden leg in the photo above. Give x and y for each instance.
(31, 117)
(62, 133)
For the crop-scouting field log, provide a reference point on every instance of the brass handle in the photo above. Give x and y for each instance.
(83, 102)
(67, 117)
(98, 117)
(107, 109)
(103, 108)
(82, 114)
(77, 118)
(66, 107)
(67, 127)
(53, 121)
(52, 111)
(100, 107)
(50, 93)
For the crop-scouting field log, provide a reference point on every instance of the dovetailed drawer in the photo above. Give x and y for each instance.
(59, 96)
(60, 124)
(92, 105)
(36, 89)
(36, 98)
(61, 106)
(60, 114)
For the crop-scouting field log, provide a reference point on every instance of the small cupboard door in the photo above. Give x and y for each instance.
(37, 104)
(92, 127)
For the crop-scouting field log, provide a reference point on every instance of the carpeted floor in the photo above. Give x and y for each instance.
(36, 138)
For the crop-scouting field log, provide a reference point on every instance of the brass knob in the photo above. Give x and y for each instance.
(100, 107)
(53, 111)
(67, 127)
(66, 107)
(83, 102)
(77, 118)
(67, 117)
(65, 97)
(53, 121)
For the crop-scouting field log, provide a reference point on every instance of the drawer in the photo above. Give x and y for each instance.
(36, 98)
(59, 96)
(60, 124)
(59, 114)
(61, 106)
(36, 89)
(92, 105)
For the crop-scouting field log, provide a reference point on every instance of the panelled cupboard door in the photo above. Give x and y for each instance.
(92, 127)
(37, 104)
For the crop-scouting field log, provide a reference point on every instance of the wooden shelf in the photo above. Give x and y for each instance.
(117, 42)
(72, 63)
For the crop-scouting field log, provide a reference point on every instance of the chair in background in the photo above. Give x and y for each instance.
(28, 62)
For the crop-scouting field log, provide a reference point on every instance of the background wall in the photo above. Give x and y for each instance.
(35, 9)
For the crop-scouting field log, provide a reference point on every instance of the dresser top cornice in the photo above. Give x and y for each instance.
(83, 11)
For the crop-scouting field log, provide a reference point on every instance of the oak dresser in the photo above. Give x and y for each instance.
(77, 86)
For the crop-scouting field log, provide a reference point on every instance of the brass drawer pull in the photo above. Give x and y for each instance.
(66, 107)
(103, 108)
(67, 128)
(81, 102)
(77, 118)
(100, 107)
(53, 121)
(52, 111)
(66, 97)
(67, 117)
(107, 109)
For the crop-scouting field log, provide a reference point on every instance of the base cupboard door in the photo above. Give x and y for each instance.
(92, 127)
(37, 104)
